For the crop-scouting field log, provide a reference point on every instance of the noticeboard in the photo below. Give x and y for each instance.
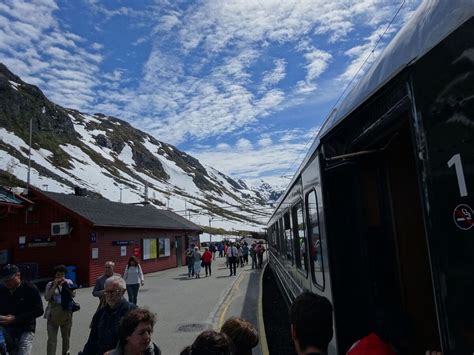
(164, 247)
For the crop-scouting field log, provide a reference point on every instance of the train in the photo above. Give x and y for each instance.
(378, 217)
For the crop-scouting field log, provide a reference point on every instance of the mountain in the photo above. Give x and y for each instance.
(106, 157)
(270, 193)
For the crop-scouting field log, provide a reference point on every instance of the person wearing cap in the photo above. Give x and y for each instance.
(20, 305)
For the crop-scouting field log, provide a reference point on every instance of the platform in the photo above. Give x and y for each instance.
(184, 307)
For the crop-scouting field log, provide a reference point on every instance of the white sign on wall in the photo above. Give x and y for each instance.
(95, 253)
(123, 250)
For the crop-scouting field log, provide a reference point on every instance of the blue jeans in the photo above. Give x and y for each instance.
(24, 344)
(132, 291)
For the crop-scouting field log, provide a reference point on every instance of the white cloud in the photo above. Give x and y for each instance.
(268, 158)
(244, 144)
(265, 142)
(34, 46)
(276, 75)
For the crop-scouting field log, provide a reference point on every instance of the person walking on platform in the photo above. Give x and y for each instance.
(197, 262)
(105, 322)
(243, 334)
(253, 255)
(220, 248)
(212, 249)
(310, 336)
(226, 247)
(240, 257)
(133, 277)
(207, 260)
(190, 260)
(98, 290)
(20, 305)
(260, 251)
(59, 294)
(232, 255)
(245, 253)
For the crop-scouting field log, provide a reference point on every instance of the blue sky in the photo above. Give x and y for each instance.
(241, 85)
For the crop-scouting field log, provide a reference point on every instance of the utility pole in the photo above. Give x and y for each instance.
(120, 187)
(210, 235)
(146, 193)
(29, 159)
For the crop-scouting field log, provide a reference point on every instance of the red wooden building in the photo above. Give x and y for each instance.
(86, 232)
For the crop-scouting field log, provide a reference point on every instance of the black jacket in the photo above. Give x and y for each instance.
(104, 328)
(25, 304)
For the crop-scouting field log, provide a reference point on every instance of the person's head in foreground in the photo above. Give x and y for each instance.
(311, 323)
(210, 342)
(135, 331)
(243, 334)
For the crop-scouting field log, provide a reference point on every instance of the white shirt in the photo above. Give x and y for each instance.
(133, 275)
(232, 251)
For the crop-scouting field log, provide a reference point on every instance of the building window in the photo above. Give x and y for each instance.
(314, 240)
(288, 237)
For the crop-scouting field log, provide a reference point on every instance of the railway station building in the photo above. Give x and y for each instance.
(83, 233)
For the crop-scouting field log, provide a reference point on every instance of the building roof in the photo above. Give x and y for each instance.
(105, 213)
(10, 198)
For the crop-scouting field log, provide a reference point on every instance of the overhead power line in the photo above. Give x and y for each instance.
(298, 159)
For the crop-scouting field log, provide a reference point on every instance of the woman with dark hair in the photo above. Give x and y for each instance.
(210, 342)
(133, 276)
(243, 334)
(135, 330)
(59, 294)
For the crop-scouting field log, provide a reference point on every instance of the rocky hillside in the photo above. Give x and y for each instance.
(109, 158)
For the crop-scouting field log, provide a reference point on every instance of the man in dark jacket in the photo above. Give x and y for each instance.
(105, 322)
(20, 305)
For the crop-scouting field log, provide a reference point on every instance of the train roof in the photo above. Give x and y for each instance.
(432, 21)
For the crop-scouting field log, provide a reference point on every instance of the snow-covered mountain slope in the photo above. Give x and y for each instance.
(110, 158)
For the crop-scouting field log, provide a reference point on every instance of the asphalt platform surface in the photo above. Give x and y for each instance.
(184, 307)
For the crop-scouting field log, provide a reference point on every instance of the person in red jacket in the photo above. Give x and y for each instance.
(207, 260)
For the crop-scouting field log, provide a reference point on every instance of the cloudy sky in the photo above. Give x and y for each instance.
(242, 85)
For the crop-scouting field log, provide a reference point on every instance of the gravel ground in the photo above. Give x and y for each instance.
(275, 315)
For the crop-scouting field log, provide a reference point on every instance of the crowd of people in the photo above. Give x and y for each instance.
(236, 254)
(118, 326)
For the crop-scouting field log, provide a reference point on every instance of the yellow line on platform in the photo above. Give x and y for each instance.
(261, 324)
(229, 298)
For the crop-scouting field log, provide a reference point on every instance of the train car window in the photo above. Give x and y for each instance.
(288, 237)
(314, 240)
(299, 238)
(281, 239)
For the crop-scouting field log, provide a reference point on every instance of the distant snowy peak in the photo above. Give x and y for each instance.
(271, 193)
(108, 157)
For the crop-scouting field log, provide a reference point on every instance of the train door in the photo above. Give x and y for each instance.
(378, 254)
(444, 124)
